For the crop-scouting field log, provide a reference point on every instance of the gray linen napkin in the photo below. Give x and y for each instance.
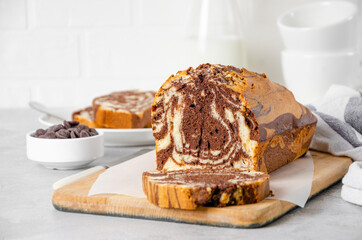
(339, 127)
(339, 131)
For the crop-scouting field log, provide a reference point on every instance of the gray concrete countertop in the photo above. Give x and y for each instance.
(26, 211)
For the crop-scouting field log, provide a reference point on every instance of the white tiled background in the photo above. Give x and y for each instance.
(65, 52)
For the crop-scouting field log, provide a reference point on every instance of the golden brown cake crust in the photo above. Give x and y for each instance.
(286, 127)
(273, 106)
(188, 189)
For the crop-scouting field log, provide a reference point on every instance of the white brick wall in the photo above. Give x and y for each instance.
(13, 14)
(65, 52)
(82, 13)
(39, 54)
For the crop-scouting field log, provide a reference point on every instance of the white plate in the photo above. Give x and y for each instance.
(114, 137)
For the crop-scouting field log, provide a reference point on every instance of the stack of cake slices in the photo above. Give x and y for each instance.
(125, 109)
(219, 131)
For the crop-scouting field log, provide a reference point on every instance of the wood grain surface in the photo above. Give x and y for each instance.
(74, 197)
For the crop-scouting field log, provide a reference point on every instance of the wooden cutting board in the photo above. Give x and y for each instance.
(74, 197)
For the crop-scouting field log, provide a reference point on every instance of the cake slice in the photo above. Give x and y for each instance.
(86, 117)
(126, 109)
(188, 189)
(219, 116)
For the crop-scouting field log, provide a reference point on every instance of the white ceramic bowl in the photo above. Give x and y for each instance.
(309, 76)
(320, 26)
(65, 154)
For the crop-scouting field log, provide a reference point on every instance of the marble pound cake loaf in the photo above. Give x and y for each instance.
(86, 117)
(188, 189)
(126, 109)
(219, 116)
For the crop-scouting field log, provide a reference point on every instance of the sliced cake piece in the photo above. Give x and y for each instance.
(187, 189)
(219, 116)
(86, 117)
(126, 109)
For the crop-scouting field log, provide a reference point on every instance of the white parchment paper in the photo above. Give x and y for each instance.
(293, 182)
(290, 183)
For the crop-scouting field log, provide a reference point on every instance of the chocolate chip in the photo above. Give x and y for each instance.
(64, 133)
(58, 135)
(67, 124)
(55, 128)
(82, 127)
(83, 134)
(73, 123)
(92, 130)
(40, 132)
(50, 135)
(58, 127)
(75, 130)
(50, 132)
(72, 134)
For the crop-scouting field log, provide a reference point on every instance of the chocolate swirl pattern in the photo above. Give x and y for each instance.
(199, 121)
(218, 116)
